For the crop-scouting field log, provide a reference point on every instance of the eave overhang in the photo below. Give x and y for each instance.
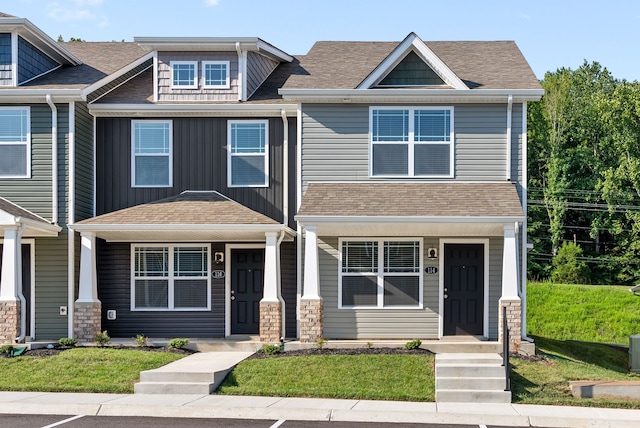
(27, 95)
(191, 110)
(218, 44)
(184, 232)
(410, 95)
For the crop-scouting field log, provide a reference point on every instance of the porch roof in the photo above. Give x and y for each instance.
(13, 215)
(189, 216)
(410, 208)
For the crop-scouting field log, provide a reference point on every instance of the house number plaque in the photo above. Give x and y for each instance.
(431, 270)
(217, 274)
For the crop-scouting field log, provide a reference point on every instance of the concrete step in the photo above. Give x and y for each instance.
(472, 396)
(476, 383)
(469, 370)
(471, 358)
(174, 388)
(165, 376)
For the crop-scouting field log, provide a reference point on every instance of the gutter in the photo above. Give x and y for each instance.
(54, 159)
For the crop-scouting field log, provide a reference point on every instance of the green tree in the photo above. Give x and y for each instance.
(567, 268)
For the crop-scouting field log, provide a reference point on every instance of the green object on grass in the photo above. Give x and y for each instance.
(18, 350)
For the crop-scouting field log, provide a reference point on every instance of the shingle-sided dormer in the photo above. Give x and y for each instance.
(210, 69)
(26, 52)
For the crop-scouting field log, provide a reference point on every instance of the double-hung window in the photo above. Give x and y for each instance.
(151, 153)
(378, 273)
(171, 278)
(184, 74)
(15, 142)
(248, 151)
(411, 141)
(216, 74)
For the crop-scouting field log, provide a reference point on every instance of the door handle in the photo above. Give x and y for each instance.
(233, 297)
(445, 296)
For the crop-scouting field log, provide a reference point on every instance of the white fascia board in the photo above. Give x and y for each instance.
(38, 38)
(413, 41)
(272, 51)
(410, 95)
(113, 76)
(182, 227)
(405, 220)
(46, 229)
(169, 110)
(23, 95)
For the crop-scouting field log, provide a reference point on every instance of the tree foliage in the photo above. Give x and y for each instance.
(584, 173)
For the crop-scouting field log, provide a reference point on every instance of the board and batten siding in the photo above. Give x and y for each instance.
(6, 77)
(336, 142)
(199, 163)
(259, 67)
(398, 323)
(166, 93)
(83, 162)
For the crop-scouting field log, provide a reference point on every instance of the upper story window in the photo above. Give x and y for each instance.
(376, 273)
(248, 153)
(15, 142)
(171, 278)
(411, 141)
(216, 74)
(184, 74)
(151, 153)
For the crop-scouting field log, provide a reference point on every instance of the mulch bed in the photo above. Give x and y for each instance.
(46, 352)
(343, 351)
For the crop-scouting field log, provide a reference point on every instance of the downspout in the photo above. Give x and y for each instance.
(285, 206)
(283, 333)
(240, 72)
(524, 184)
(298, 187)
(23, 301)
(71, 262)
(54, 159)
(509, 113)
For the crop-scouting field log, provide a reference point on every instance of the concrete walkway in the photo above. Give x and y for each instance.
(276, 408)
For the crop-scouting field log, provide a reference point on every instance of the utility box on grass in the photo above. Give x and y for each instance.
(634, 353)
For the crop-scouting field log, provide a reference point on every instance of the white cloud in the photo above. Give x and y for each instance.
(211, 3)
(62, 13)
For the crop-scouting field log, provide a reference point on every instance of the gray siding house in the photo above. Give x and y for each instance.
(412, 188)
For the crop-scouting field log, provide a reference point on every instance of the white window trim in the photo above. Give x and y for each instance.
(380, 274)
(27, 144)
(411, 143)
(170, 278)
(133, 153)
(265, 154)
(226, 85)
(194, 85)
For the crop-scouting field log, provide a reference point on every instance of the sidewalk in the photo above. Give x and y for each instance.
(276, 408)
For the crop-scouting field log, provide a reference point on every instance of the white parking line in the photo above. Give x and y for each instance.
(64, 421)
(277, 424)
(482, 426)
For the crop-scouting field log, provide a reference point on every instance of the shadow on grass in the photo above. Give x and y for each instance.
(520, 387)
(599, 354)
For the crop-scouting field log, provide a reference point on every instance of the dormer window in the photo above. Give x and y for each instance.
(184, 74)
(216, 74)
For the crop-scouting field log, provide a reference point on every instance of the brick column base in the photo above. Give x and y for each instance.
(311, 320)
(514, 322)
(9, 321)
(270, 322)
(87, 321)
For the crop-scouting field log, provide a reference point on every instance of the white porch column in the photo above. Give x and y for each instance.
(510, 298)
(311, 304)
(271, 304)
(87, 308)
(12, 320)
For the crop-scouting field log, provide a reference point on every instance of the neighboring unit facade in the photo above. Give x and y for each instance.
(215, 187)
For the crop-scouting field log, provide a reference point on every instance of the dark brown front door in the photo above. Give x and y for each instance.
(247, 273)
(463, 289)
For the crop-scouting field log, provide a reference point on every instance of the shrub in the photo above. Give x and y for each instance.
(102, 339)
(413, 344)
(369, 345)
(321, 342)
(6, 349)
(67, 341)
(271, 349)
(566, 268)
(141, 340)
(178, 343)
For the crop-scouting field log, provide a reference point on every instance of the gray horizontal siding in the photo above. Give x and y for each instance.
(114, 291)
(51, 287)
(6, 78)
(166, 93)
(199, 163)
(397, 324)
(259, 67)
(336, 142)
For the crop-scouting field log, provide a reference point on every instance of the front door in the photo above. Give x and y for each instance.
(26, 282)
(463, 289)
(247, 278)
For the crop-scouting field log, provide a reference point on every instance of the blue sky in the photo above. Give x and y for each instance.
(551, 34)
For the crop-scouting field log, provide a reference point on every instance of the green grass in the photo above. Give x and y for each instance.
(607, 314)
(80, 370)
(372, 377)
(547, 382)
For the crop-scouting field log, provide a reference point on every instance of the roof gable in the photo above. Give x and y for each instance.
(412, 43)
(411, 71)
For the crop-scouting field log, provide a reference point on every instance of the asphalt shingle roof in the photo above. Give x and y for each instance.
(196, 208)
(411, 200)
